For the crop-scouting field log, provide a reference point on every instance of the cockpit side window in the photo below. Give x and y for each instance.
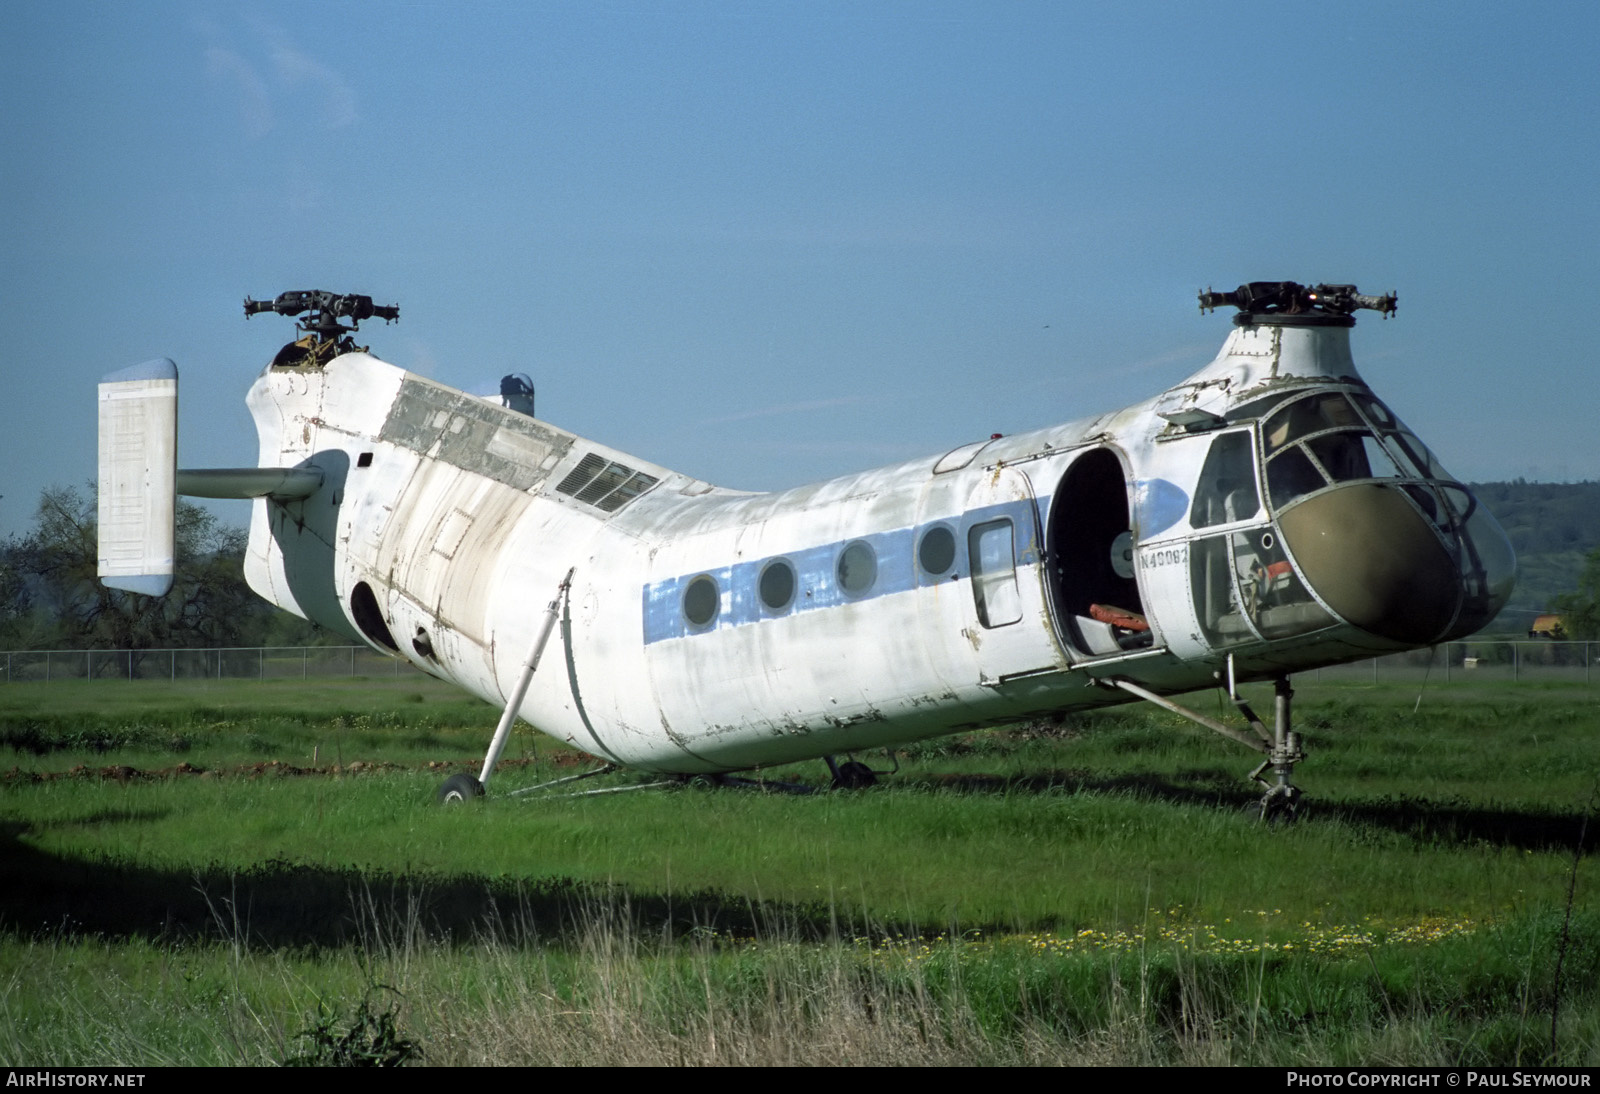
(1245, 588)
(1227, 490)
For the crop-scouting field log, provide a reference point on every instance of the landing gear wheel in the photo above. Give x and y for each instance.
(460, 788)
(854, 775)
(1280, 805)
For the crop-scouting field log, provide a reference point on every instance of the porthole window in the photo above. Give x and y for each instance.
(936, 554)
(701, 601)
(858, 568)
(776, 585)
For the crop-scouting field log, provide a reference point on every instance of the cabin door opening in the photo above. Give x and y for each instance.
(1094, 590)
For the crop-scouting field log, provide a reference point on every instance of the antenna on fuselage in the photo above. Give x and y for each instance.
(325, 337)
(516, 392)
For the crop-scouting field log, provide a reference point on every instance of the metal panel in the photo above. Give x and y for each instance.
(138, 465)
(476, 436)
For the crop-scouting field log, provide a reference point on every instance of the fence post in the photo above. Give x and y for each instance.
(261, 673)
(303, 655)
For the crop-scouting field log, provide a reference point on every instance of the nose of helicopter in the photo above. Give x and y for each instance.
(1373, 558)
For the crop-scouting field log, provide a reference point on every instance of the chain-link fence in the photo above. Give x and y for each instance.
(1460, 662)
(245, 663)
(1452, 662)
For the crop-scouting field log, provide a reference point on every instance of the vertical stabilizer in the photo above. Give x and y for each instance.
(138, 469)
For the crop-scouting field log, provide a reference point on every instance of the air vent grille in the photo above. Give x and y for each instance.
(604, 484)
(587, 468)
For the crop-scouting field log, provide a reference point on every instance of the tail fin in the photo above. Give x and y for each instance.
(138, 476)
(140, 480)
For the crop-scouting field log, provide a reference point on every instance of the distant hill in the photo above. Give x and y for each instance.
(1552, 526)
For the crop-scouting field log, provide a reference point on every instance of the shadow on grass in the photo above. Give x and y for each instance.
(1433, 822)
(281, 904)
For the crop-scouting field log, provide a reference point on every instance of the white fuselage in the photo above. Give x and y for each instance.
(711, 630)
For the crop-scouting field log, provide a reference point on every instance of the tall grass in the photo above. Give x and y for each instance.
(611, 990)
(1088, 891)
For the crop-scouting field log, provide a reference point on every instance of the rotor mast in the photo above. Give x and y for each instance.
(1290, 303)
(324, 336)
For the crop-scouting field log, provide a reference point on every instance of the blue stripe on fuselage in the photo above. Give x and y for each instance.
(817, 572)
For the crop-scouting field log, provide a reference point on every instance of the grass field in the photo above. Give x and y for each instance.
(235, 872)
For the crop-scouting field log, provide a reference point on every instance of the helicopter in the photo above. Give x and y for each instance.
(1268, 515)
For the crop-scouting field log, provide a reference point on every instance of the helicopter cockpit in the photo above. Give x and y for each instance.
(1364, 527)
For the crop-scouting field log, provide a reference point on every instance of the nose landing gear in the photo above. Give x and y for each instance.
(1280, 745)
(1282, 799)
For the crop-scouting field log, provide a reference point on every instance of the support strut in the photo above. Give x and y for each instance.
(1280, 745)
(518, 693)
(459, 788)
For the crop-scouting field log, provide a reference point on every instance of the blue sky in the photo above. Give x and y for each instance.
(768, 243)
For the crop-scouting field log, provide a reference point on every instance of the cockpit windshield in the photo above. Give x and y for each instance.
(1331, 438)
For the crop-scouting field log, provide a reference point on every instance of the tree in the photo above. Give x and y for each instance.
(1580, 611)
(52, 595)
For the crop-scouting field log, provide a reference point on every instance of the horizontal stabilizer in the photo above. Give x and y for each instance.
(249, 482)
(138, 463)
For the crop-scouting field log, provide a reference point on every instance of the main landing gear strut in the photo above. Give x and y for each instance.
(1280, 744)
(462, 788)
